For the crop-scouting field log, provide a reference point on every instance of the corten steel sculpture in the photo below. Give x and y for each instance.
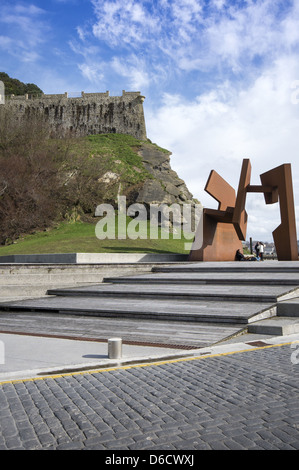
(222, 230)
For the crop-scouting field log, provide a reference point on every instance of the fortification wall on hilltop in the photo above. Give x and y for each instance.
(91, 113)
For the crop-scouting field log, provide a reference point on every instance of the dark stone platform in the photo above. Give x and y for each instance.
(195, 304)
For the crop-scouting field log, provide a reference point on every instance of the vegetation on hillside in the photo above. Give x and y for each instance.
(48, 180)
(15, 87)
(79, 237)
(50, 186)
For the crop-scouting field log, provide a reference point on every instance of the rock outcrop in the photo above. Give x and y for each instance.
(166, 187)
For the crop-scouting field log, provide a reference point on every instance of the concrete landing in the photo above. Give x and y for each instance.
(231, 277)
(289, 308)
(278, 326)
(272, 266)
(29, 357)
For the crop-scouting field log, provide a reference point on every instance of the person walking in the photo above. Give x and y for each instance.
(261, 251)
(257, 249)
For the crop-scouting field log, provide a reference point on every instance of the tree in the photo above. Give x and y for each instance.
(16, 87)
(29, 176)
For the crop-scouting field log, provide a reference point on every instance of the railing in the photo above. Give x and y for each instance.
(71, 95)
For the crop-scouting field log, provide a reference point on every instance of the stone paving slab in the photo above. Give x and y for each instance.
(184, 310)
(289, 308)
(236, 400)
(216, 310)
(275, 326)
(181, 334)
(195, 292)
(232, 266)
(247, 278)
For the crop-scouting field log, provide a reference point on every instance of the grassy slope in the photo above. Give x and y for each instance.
(79, 237)
(101, 153)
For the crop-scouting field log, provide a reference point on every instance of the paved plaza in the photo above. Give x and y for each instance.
(210, 361)
(234, 400)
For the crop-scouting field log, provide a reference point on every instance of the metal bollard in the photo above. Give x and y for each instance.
(114, 348)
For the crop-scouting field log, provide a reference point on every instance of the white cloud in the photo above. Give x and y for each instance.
(26, 28)
(218, 3)
(223, 38)
(220, 128)
(133, 70)
(225, 70)
(5, 42)
(93, 73)
(126, 22)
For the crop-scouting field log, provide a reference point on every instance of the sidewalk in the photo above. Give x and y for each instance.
(236, 396)
(27, 357)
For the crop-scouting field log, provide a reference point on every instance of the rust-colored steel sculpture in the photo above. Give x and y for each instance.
(285, 235)
(222, 230)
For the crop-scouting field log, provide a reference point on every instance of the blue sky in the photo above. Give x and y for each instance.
(220, 77)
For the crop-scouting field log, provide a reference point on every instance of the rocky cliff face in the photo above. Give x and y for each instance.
(160, 185)
(166, 186)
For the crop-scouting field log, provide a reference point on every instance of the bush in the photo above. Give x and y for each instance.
(29, 177)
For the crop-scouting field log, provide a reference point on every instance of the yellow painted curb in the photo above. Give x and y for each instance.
(134, 366)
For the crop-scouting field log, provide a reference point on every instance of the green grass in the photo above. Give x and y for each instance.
(120, 155)
(79, 237)
(91, 157)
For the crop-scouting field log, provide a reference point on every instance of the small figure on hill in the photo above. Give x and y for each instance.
(261, 251)
(241, 257)
(257, 249)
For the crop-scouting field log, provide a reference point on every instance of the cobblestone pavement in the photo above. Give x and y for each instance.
(245, 400)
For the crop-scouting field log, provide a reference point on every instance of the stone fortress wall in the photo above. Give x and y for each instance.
(100, 113)
(90, 113)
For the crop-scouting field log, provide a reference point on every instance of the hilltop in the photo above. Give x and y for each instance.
(48, 179)
(13, 86)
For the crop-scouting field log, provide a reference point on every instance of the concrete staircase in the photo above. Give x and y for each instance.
(286, 321)
(201, 303)
(21, 281)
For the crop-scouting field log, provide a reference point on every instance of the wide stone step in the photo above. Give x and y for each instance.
(288, 308)
(225, 278)
(241, 267)
(133, 331)
(276, 326)
(269, 294)
(42, 274)
(52, 279)
(147, 309)
(30, 289)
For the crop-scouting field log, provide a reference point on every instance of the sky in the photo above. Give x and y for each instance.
(220, 78)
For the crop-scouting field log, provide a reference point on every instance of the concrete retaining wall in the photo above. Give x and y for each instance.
(93, 258)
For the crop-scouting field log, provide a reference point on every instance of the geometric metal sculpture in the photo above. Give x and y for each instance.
(224, 228)
(285, 235)
(219, 238)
